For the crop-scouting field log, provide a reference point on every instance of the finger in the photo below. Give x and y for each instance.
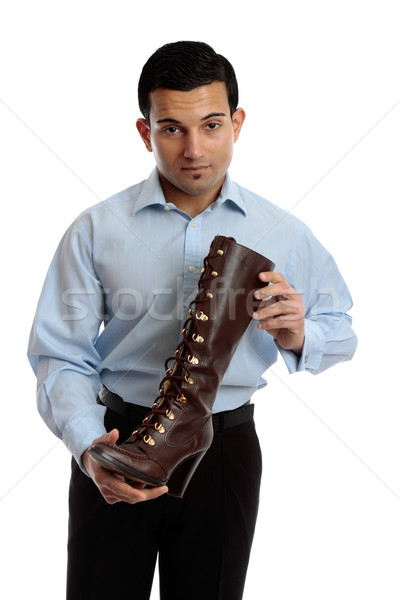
(292, 321)
(155, 492)
(150, 492)
(268, 277)
(280, 323)
(113, 496)
(266, 303)
(282, 307)
(281, 301)
(131, 492)
(111, 499)
(271, 277)
(119, 491)
(283, 289)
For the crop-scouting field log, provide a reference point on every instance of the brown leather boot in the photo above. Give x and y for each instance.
(174, 436)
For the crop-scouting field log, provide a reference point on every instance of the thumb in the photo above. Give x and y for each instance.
(108, 438)
(112, 436)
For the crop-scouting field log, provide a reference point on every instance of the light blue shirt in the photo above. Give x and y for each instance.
(118, 289)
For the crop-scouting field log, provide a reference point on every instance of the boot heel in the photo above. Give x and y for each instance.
(180, 478)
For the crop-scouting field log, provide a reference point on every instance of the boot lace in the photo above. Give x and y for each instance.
(184, 358)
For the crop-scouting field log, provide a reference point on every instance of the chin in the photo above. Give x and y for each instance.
(199, 185)
(197, 190)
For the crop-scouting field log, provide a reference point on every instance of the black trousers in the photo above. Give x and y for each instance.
(202, 541)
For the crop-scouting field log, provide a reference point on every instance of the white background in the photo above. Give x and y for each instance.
(320, 83)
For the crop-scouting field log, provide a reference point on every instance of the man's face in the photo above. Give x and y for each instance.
(191, 135)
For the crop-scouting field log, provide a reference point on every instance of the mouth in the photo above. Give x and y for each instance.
(195, 169)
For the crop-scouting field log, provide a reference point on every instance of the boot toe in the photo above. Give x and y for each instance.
(130, 463)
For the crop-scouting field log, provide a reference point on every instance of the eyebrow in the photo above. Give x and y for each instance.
(213, 114)
(176, 122)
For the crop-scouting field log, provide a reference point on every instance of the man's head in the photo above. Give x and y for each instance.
(188, 95)
(185, 66)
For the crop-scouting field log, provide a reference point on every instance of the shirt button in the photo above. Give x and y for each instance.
(193, 224)
(192, 269)
(166, 207)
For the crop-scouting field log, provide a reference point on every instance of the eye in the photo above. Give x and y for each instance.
(172, 130)
(213, 126)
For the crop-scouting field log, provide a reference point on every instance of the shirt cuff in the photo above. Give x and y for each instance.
(312, 353)
(82, 429)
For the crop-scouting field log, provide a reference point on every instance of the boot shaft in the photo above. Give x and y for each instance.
(219, 316)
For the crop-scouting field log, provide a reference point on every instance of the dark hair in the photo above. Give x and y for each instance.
(184, 66)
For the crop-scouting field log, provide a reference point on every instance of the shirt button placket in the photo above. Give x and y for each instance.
(192, 260)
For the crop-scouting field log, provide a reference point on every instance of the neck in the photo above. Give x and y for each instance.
(191, 204)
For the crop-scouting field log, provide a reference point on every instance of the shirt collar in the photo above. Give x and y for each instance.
(230, 192)
(152, 194)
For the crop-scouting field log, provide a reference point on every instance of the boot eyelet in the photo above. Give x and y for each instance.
(197, 338)
(193, 360)
(181, 398)
(170, 415)
(209, 295)
(201, 316)
(159, 428)
(220, 252)
(214, 273)
(149, 440)
(189, 380)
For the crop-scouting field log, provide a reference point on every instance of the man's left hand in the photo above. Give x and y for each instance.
(281, 312)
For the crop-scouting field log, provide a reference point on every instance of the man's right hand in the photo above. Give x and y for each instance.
(113, 487)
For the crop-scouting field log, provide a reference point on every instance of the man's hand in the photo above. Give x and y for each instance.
(282, 314)
(113, 487)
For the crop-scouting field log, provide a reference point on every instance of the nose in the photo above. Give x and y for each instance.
(193, 147)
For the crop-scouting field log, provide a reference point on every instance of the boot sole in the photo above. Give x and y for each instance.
(111, 464)
(177, 482)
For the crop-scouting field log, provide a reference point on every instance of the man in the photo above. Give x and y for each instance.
(111, 312)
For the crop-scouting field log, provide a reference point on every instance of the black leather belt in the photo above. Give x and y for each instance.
(221, 420)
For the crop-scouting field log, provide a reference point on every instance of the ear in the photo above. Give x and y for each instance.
(143, 128)
(238, 118)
